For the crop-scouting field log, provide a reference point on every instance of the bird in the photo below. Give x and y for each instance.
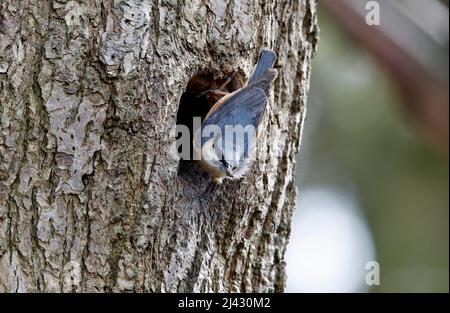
(225, 143)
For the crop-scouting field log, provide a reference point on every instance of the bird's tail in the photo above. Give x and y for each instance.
(265, 81)
(266, 61)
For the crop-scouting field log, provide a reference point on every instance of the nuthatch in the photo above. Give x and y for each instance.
(222, 150)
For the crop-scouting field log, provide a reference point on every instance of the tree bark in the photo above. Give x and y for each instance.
(91, 198)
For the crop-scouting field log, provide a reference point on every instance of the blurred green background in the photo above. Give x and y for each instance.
(360, 141)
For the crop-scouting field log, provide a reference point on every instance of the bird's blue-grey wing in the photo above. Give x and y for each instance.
(244, 108)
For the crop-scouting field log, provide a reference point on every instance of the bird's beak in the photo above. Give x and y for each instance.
(230, 173)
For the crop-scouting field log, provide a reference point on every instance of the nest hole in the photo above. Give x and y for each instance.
(195, 103)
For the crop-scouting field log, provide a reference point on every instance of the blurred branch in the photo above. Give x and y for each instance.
(425, 95)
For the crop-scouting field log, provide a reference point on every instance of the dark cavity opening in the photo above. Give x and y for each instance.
(195, 103)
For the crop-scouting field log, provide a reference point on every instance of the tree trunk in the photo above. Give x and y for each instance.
(91, 197)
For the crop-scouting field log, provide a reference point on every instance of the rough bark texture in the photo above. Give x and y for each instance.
(91, 199)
